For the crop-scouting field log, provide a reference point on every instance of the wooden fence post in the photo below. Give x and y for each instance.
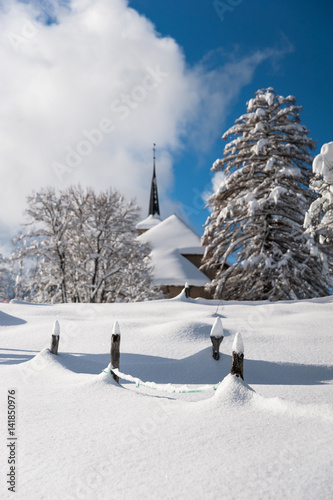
(115, 349)
(216, 336)
(238, 357)
(55, 338)
(187, 290)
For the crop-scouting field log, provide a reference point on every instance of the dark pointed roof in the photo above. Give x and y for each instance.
(154, 207)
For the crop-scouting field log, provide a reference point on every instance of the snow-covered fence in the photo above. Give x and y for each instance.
(217, 331)
(238, 357)
(115, 349)
(184, 389)
(216, 336)
(55, 338)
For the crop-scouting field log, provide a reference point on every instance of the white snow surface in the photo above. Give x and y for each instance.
(82, 436)
(169, 240)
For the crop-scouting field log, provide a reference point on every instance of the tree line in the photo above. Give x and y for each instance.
(80, 246)
(268, 237)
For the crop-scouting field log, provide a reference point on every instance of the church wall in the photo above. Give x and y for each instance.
(194, 259)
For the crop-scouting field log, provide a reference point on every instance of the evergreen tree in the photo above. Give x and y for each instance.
(256, 224)
(319, 218)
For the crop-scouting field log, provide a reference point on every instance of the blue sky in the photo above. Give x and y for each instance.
(301, 28)
(84, 98)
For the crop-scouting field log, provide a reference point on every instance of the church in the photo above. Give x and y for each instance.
(176, 250)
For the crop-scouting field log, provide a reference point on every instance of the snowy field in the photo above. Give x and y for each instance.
(81, 436)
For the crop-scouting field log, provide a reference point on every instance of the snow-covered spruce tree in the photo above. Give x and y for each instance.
(319, 218)
(256, 224)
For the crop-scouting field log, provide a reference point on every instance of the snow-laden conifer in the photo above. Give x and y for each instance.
(319, 218)
(256, 224)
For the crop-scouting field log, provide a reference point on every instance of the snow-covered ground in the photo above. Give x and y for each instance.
(81, 436)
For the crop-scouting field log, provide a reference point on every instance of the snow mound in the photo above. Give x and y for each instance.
(22, 302)
(283, 406)
(105, 377)
(182, 297)
(233, 390)
(44, 361)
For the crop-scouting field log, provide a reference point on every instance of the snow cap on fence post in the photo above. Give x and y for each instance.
(116, 328)
(217, 329)
(238, 356)
(238, 345)
(115, 349)
(216, 337)
(55, 337)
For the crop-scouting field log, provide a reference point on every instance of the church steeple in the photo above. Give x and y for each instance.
(154, 207)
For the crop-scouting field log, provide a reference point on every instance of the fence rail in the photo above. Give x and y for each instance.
(216, 337)
(171, 389)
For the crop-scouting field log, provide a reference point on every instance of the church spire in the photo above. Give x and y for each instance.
(154, 207)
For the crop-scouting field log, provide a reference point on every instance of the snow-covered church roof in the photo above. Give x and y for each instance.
(149, 222)
(170, 240)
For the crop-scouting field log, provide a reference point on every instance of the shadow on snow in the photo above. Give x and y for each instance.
(200, 368)
(9, 320)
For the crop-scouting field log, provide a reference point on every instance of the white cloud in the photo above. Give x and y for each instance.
(83, 101)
